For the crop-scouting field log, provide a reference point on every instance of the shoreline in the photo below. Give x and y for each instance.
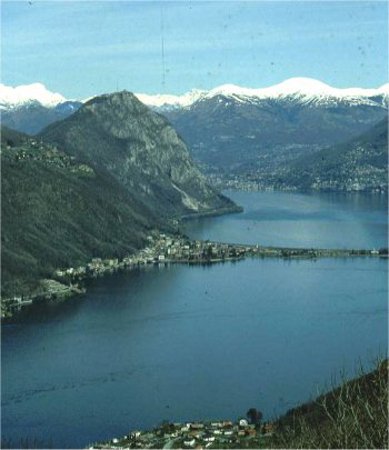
(250, 431)
(213, 213)
(163, 249)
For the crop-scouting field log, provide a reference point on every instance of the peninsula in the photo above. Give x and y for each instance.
(164, 249)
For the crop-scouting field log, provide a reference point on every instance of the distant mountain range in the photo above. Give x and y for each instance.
(302, 90)
(31, 108)
(33, 117)
(19, 101)
(230, 130)
(94, 185)
(233, 131)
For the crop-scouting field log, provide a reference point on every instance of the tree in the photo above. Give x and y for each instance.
(254, 416)
(209, 252)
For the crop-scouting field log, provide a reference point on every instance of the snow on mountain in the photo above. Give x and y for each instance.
(309, 87)
(13, 97)
(172, 101)
(305, 90)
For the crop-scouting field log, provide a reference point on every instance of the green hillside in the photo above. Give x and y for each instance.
(57, 212)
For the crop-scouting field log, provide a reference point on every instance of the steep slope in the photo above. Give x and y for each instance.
(57, 212)
(118, 135)
(353, 415)
(359, 164)
(111, 173)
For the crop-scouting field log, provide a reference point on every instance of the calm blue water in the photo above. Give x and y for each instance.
(301, 220)
(185, 343)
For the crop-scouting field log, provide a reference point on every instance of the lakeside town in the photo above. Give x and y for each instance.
(259, 181)
(163, 249)
(195, 435)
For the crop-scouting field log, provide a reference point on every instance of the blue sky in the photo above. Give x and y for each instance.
(85, 48)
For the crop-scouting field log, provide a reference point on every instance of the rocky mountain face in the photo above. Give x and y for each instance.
(94, 185)
(118, 135)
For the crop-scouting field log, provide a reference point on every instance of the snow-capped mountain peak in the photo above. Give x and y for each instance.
(293, 86)
(12, 97)
(171, 101)
(311, 90)
(384, 89)
(315, 88)
(306, 90)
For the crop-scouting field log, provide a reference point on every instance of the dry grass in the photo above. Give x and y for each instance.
(354, 415)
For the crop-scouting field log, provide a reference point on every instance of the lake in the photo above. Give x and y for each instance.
(184, 342)
(321, 220)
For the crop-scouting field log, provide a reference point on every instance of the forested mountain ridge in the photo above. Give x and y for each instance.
(94, 185)
(117, 134)
(58, 212)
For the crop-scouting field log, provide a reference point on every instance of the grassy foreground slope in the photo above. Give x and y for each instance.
(354, 415)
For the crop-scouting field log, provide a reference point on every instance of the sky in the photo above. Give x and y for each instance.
(85, 48)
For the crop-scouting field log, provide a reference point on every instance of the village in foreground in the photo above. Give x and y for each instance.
(196, 435)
